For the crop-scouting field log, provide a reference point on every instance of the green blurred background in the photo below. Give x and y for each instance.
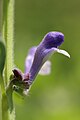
(57, 96)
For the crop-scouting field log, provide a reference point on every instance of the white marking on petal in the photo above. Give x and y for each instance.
(63, 52)
(46, 68)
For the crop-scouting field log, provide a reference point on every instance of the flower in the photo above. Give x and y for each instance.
(38, 55)
(37, 59)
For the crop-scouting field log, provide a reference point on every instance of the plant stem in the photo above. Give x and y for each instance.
(8, 34)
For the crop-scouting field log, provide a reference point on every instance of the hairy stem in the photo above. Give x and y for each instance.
(8, 35)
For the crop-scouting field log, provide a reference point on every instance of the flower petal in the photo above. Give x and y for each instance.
(29, 59)
(46, 68)
(53, 39)
(44, 50)
(63, 52)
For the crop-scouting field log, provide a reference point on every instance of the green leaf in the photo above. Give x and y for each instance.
(2, 55)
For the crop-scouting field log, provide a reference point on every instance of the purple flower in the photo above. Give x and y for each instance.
(37, 59)
(39, 55)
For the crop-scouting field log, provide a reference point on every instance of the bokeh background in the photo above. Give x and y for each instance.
(56, 96)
